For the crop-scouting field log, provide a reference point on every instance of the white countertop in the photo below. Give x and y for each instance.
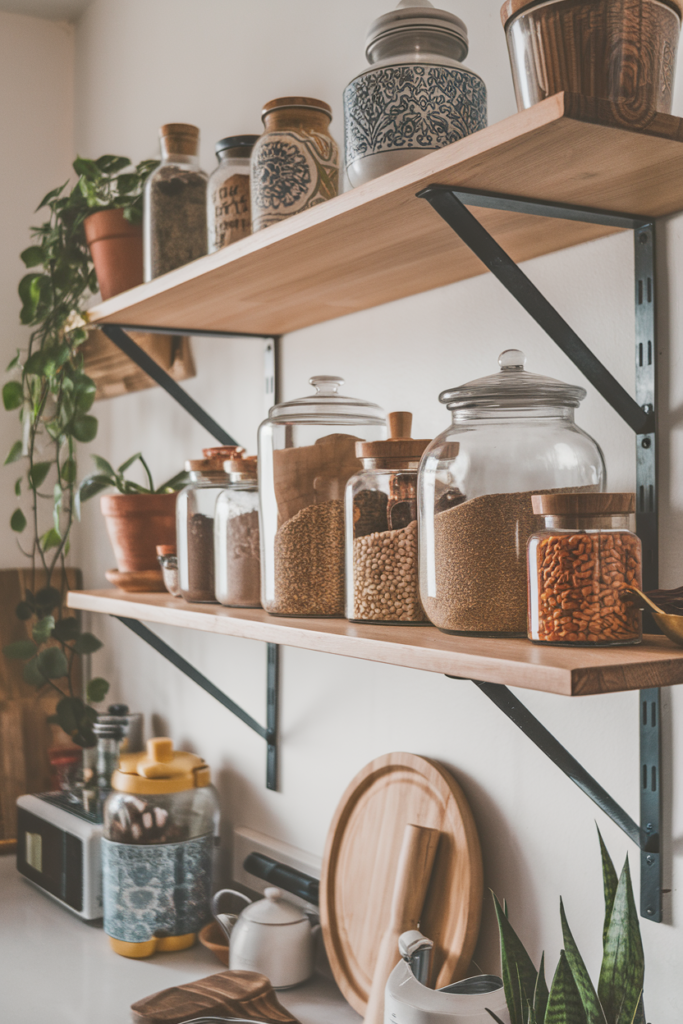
(55, 967)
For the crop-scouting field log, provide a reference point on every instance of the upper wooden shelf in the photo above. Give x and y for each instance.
(380, 242)
(573, 672)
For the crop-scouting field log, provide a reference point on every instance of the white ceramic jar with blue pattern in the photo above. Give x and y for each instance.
(416, 96)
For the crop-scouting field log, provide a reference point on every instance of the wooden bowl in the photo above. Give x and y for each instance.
(212, 938)
(144, 581)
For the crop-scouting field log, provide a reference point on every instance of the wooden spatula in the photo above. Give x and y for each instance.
(227, 995)
(415, 864)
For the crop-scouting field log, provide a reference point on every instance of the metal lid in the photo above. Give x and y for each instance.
(296, 101)
(513, 387)
(273, 909)
(236, 142)
(418, 15)
(328, 406)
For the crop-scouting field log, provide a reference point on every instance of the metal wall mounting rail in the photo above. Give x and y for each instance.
(640, 414)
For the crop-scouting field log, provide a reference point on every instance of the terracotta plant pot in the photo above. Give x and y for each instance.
(116, 250)
(136, 523)
(619, 51)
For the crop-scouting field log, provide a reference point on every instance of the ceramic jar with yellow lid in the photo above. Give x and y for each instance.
(160, 820)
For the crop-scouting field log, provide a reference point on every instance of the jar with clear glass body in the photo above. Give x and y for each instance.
(160, 823)
(580, 568)
(237, 561)
(167, 557)
(228, 209)
(174, 205)
(512, 435)
(381, 528)
(306, 454)
(195, 510)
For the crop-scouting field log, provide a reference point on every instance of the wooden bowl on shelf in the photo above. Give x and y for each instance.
(213, 939)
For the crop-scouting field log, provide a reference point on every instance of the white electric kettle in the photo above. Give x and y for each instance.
(271, 936)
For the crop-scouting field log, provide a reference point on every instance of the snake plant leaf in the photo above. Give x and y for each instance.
(531, 1017)
(564, 1001)
(620, 987)
(519, 973)
(609, 881)
(589, 997)
(640, 1013)
(540, 993)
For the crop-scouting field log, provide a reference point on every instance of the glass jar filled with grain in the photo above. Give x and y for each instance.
(237, 563)
(580, 568)
(512, 435)
(195, 510)
(306, 454)
(381, 528)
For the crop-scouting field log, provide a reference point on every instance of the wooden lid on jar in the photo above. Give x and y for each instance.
(180, 138)
(400, 444)
(583, 503)
(513, 7)
(245, 466)
(214, 458)
(166, 549)
(296, 101)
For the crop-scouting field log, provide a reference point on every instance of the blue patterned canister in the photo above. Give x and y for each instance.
(415, 97)
(295, 163)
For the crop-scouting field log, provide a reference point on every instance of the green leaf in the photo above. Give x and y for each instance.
(126, 183)
(20, 649)
(89, 487)
(35, 363)
(48, 598)
(103, 466)
(51, 539)
(18, 521)
(87, 644)
(38, 472)
(85, 394)
(50, 196)
(69, 471)
(129, 462)
(623, 965)
(52, 663)
(87, 168)
(540, 992)
(564, 1001)
(519, 973)
(84, 428)
(67, 628)
(112, 164)
(33, 256)
(609, 881)
(12, 395)
(589, 997)
(15, 452)
(97, 690)
(42, 630)
(17, 486)
(32, 674)
(69, 713)
(176, 483)
(24, 611)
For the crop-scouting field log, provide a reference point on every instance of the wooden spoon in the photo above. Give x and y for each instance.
(670, 625)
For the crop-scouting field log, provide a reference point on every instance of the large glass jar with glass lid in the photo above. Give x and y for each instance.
(195, 510)
(381, 528)
(306, 453)
(512, 436)
(237, 562)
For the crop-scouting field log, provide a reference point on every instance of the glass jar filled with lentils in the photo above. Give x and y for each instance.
(580, 568)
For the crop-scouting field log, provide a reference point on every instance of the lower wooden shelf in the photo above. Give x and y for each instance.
(573, 672)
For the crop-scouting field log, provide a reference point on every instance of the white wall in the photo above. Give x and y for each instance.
(36, 129)
(213, 63)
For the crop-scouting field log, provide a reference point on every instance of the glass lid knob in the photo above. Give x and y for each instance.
(512, 359)
(326, 385)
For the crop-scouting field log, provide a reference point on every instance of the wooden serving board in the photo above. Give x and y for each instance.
(361, 860)
(226, 996)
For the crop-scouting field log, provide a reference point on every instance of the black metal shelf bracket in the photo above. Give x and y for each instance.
(640, 413)
(117, 333)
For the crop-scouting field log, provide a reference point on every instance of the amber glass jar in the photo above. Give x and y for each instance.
(580, 567)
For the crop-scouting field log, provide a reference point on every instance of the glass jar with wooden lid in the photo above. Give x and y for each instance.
(580, 568)
(381, 528)
(237, 562)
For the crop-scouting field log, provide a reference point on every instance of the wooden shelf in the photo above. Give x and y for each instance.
(380, 242)
(572, 672)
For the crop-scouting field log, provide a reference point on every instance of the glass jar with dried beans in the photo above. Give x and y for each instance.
(228, 209)
(512, 436)
(174, 210)
(237, 563)
(195, 511)
(580, 567)
(381, 528)
(306, 453)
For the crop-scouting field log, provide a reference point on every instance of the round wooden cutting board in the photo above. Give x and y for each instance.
(360, 862)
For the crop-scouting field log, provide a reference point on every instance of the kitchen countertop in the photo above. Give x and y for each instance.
(58, 968)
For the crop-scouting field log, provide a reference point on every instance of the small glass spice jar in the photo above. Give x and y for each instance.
(228, 205)
(237, 561)
(579, 568)
(174, 207)
(167, 557)
(381, 528)
(194, 523)
(295, 163)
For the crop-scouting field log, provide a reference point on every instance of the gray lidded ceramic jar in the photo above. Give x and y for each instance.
(416, 95)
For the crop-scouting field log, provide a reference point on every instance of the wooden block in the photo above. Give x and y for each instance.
(227, 995)
(115, 374)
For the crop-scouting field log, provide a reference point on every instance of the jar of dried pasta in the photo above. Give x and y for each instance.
(580, 568)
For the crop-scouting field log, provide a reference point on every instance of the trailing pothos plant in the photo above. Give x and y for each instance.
(53, 396)
(572, 998)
